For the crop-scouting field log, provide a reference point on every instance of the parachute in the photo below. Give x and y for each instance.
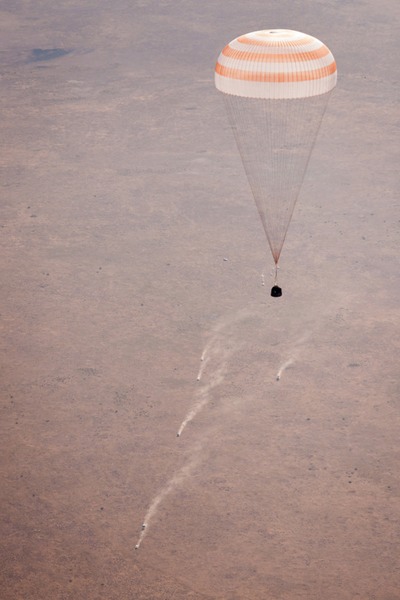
(276, 85)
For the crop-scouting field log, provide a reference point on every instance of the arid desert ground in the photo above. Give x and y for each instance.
(130, 249)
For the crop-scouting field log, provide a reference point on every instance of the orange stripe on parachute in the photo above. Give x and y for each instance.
(280, 77)
(258, 57)
(274, 42)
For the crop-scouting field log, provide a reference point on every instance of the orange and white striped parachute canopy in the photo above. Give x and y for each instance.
(275, 63)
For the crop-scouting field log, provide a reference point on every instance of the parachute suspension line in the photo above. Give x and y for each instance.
(276, 291)
(276, 273)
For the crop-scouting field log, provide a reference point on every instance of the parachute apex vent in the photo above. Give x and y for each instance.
(276, 291)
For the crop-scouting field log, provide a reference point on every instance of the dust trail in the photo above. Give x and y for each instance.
(202, 367)
(203, 397)
(169, 487)
(215, 356)
(283, 367)
(205, 357)
(294, 354)
(206, 349)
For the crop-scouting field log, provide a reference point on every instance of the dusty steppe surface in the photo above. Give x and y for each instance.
(121, 195)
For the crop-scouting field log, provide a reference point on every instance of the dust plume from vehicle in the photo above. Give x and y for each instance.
(294, 354)
(203, 364)
(176, 480)
(283, 367)
(202, 397)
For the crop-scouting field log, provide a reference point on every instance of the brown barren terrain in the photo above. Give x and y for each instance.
(131, 245)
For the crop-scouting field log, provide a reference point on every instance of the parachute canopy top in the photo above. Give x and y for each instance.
(275, 64)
